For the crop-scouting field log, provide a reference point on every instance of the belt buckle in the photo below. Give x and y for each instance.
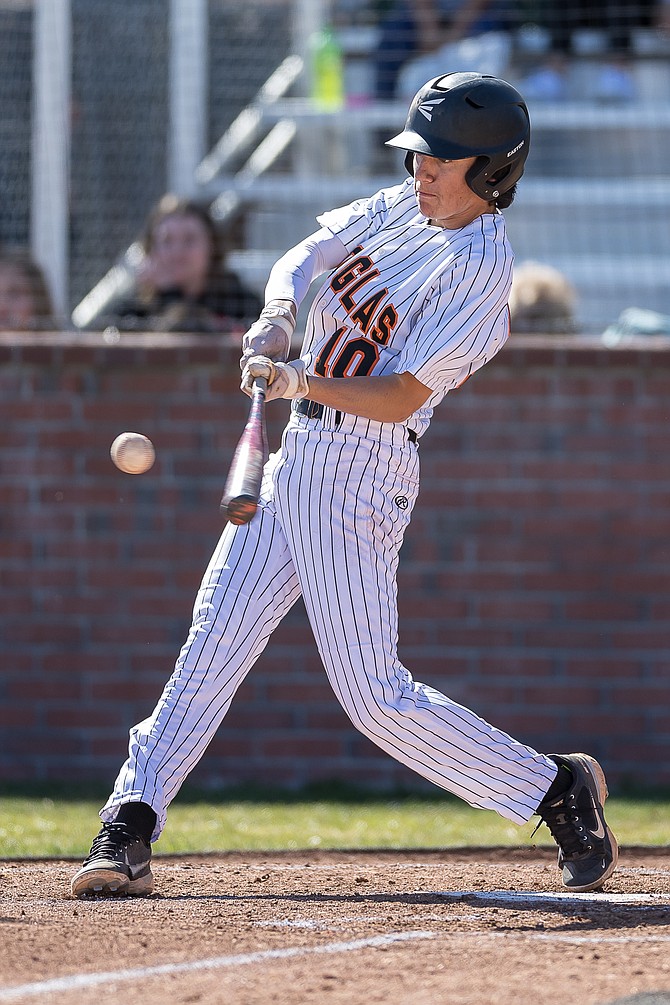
(310, 409)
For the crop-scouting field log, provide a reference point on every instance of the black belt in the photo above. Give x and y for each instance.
(314, 410)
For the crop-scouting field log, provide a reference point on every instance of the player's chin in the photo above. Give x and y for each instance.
(425, 202)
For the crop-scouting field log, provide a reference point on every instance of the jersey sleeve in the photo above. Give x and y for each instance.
(341, 231)
(460, 326)
(362, 218)
(292, 275)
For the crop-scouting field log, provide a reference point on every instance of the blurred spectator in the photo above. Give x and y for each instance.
(635, 322)
(182, 284)
(439, 36)
(542, 301)
(25, 302)
(602, 31)
(663, 17)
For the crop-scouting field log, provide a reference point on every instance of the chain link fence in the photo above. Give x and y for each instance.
(592, 205)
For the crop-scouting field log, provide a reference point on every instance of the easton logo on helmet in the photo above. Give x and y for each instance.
(517, 147)
(427, 107)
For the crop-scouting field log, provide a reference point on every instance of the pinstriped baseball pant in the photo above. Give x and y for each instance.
(334, 508)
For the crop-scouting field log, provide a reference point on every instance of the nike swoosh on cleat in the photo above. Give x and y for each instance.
(599, 832)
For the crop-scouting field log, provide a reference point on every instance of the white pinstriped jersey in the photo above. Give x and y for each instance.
(412, 297)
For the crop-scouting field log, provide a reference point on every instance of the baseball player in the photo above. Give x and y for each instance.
(414, 302)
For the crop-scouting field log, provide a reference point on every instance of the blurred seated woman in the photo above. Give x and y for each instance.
(182, 283)
(25, 302)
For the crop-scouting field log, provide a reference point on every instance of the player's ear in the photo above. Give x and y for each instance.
(499, 176)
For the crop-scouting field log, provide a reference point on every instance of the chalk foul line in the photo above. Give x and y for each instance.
(515, 897)
(78, 981)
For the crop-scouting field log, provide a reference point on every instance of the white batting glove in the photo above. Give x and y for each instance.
(290, 381)
(271, 335)
(257, 366)
(285, 380)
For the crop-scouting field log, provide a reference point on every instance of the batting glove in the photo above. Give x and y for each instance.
(271, 335)
(285, 380)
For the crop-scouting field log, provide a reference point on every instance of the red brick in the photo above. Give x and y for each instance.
(645, 638)
(43, 410)
(580, 694)
(521, 665)
(98, 716)
(18, 715)
(602, 608)
(289, 745)
(511, 607)
(50, 633)
(610, 666)
(301, 694)
(598, 726)
(46, 686)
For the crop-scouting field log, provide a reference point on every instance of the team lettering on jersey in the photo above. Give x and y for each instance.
(358, 355)
(348, 282)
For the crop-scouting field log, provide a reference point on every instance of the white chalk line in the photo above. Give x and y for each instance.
(76, 982)
(639, 940)
(534, 898)
(79, 981)
(317, 925)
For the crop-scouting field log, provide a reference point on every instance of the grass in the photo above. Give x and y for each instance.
(39, 822)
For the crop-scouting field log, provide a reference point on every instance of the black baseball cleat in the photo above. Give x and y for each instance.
(588, 850)
(118, 863)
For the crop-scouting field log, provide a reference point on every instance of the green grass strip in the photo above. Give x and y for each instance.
(44, 822)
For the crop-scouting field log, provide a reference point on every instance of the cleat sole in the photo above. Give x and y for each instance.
(100, 882)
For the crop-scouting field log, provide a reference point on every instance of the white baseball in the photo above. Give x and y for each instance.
(133, 453)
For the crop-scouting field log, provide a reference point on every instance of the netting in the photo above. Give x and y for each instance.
(118, 144)
(15, 93)
(596, 76)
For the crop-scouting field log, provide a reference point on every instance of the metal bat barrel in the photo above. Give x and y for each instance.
(242, 489)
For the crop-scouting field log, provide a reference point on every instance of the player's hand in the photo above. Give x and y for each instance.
(285, 380)
(257, 366)
(271, 335)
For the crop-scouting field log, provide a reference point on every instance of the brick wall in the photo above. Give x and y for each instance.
(534, 582)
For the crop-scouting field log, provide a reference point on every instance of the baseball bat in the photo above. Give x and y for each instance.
(243, 484)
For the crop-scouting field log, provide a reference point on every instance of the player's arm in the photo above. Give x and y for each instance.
(289, 281)
(391, 398)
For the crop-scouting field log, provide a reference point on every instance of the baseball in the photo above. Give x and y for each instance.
(133, 453)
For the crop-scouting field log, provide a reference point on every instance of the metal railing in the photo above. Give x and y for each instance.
(238, 139)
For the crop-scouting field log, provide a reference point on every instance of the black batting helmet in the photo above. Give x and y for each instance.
(461, 115)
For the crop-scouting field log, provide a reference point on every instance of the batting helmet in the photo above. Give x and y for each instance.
(461, 115)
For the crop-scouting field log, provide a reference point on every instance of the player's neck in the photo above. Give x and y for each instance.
(458, 222)
(468, 213)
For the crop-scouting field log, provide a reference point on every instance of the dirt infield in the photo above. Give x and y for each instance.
(404, 928)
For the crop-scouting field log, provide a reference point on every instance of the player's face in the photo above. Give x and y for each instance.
(442, 192)
(181, 251)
